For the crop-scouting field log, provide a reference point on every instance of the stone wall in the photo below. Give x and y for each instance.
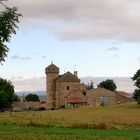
(18, 106)
(101, 96)
(62, 91)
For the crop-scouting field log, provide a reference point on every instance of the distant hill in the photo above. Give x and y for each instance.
(24, 93)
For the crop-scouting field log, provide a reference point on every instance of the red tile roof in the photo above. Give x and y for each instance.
(124, 94)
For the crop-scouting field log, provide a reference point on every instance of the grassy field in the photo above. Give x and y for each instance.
(9, 132)
(105, 122)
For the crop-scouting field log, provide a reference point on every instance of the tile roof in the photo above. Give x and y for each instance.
(124, 94)
(100, 92)
(68, 77)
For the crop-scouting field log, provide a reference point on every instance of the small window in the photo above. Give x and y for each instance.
(68, 87)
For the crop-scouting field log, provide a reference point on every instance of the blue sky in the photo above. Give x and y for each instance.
(96, 38)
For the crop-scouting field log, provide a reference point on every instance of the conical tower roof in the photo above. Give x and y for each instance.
(52, 69)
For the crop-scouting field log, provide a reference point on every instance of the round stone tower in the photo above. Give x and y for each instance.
(52, 72)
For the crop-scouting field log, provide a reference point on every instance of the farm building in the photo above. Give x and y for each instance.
(66, 91)
(123, 97)
(63, 90)
(100, 96)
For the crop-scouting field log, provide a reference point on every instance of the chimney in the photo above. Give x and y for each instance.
(76, 73)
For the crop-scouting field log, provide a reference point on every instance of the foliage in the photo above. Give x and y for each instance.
(136, 79)
(138, 100)
(32, 97)
(89, 86)
(6, 94)
(8, 24)
(136, 94)
(16, 98)
(108, 84)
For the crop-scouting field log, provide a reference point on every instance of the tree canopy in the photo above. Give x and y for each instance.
(32, 97)
(8, 25)
(136, 79)
(6, 94)
(108, 84)
(16, 98)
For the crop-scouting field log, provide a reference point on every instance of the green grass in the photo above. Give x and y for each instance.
(10, 132)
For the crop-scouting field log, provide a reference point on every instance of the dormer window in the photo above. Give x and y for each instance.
(68, 87)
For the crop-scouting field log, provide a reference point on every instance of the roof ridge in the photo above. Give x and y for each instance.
(68, 77)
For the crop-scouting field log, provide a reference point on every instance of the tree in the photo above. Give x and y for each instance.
(89, 86)
(136, 94)
(6, 94)
(16, 98)
(8, 25)
(32, 97)
(136, 79)
(108, 84)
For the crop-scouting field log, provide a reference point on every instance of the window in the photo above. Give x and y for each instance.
(68, 87)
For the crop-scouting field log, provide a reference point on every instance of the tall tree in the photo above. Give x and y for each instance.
(136, 79)
(8, 25)
(108, 84)
(6, 94)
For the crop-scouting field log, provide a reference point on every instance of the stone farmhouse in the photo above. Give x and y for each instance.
(66, 91)
(63, 90)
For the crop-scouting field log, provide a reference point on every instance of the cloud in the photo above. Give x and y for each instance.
(19, 57)
(123, 83)
(17, 78)
(84, 19)
(138, 59)
(112, 49)
(115, 56)
(39, 83)
(43, 56)
(30, 84)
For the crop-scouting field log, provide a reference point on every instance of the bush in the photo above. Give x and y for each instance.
(138, 100)
(32, 97)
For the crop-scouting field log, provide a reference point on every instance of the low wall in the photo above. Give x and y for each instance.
(24, 105)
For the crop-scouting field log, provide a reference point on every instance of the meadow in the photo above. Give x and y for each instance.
(104, 122)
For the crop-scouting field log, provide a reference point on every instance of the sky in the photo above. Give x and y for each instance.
(98, 38)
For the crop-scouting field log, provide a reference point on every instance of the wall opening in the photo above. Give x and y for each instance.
(68, 88)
